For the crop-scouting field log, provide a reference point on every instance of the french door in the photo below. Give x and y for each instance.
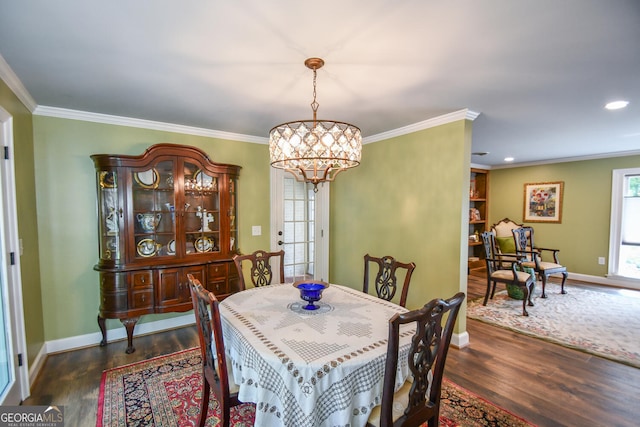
(300, 226)
(14, 376)
(624, 246)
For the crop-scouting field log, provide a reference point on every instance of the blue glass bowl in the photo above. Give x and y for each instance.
(311, 292)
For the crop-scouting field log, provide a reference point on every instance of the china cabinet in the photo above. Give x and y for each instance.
(166, 213)
(478, 212)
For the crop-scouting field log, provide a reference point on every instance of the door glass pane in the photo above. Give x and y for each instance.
(629, 264)
(6, 367)
(154, 211)
(232, 215)
(201, 211)
(298, 204)
(110, 213)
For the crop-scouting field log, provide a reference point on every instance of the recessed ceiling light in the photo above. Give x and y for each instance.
(508, 159)
(616, 105)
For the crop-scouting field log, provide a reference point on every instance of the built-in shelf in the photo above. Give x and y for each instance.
(478, 212)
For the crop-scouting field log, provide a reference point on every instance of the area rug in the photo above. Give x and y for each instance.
(165, 392)
(603, 323)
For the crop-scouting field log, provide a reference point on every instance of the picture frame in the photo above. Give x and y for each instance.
(543, 202)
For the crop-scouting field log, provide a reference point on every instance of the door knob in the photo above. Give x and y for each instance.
(280, 242)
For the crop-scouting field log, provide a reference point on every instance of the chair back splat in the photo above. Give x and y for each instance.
(215, 371)
(426, 360)
(261, 270)
(386, 279)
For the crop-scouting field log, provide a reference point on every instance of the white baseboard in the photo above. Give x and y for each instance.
(38, 363)
(117, 334)
(618, 282)
(460, 340)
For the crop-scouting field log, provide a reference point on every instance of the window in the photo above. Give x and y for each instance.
(624, 245)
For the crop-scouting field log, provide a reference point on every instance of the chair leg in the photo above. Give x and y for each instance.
(204, 403)
(527, 293)
(486, 295)
(531, 288)
(524, 302)
(564, 278)
(493, 290)
(544, 285)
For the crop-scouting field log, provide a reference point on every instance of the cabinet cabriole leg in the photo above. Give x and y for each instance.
(103, 329)
(129, 324)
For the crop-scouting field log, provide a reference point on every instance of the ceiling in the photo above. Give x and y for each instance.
(538, 71)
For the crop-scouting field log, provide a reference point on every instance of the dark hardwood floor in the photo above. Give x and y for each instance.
(546, 384)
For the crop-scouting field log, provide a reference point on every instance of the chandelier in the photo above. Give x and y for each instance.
(315, 150)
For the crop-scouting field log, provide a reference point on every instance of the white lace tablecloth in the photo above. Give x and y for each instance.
(316, 368)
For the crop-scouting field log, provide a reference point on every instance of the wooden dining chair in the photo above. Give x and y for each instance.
(386, 279)
(532, 256)
(261, 271)
(215, 372)
(507, 269)
(418, 400)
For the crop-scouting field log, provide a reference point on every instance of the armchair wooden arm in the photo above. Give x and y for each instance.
(554, 251)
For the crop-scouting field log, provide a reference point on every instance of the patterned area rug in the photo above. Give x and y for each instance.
(602, 323)
(165, 391)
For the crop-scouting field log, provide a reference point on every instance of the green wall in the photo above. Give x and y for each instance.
(406, 199)
(67, 228)
(583, 235)
(27, 225)
(411, 193)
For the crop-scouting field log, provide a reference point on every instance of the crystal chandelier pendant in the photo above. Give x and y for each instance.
(315, 150)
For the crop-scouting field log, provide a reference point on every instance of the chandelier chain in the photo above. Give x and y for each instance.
(314, 104)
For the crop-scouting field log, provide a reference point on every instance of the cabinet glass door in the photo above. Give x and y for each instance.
(201, 210)
(232, 215)
(110, 214)
(154, 211)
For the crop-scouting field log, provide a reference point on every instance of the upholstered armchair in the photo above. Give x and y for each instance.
(505, 244)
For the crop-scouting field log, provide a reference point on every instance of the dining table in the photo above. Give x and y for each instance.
(301, 367)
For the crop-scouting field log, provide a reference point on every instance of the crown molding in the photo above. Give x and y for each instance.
(9, 77)
(14, 83)
(570, 159)
(479, 166)
(145, 124)
(464, 114)
(168, 127)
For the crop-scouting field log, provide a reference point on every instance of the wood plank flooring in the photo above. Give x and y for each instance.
(546, 384)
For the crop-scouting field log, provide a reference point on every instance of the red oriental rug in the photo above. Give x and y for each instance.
(165, 391)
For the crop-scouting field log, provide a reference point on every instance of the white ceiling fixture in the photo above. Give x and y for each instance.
(616, 105)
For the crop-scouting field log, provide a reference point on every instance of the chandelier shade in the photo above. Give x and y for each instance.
(315, 150)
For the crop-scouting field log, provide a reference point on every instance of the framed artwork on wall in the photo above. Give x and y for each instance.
(543, 202)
